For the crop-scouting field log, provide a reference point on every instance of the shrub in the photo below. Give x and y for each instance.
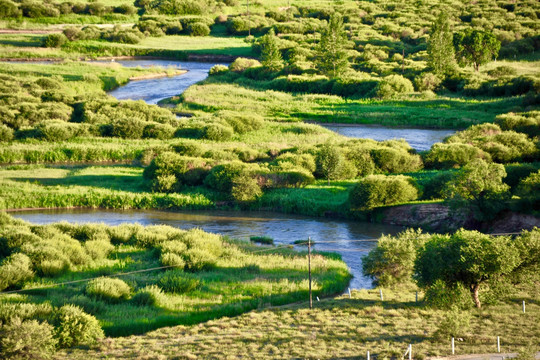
(241, 64)
(55, 40)
(241, 122)
(6, 133)
(151, 295)
(528, 123)
(198, 29)
(456, 323)
(128, 128)
(529, 191)
(218, 69)
(158, 131)
(380, 190)
(108, 289)
(393, 85)
(442, 296)
(427, 81)
(35, 9)
(74, 327)
(392, 261)
(8, 9)
(392, 160)
(28, 339)
(178, 282)
(218, 132)
(444, 156)
(72, 33)
(198, 259)
(245, 188)
(436, 187)
(15, 270)
(221, 177)
(172, 259)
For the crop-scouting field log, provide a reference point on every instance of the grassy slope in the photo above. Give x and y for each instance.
(335, 328)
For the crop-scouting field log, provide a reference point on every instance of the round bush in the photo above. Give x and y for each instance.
(27, 339)
(6, 133)
(218, 69)
(427, 82)
(158, 131)
(172, 259)
(151, 295)
(380, 190)
(245, 189)
(241, 64)
(74, 327)
(178, 283)
(218, 132)
(393, 85)
(128, 128)
(15, 270)
(198, 29)
(443, 156)
(108, 289)
(8, 9)
(55, 40)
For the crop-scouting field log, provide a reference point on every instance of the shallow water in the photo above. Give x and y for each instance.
(419, 139)
(154, 90)
(283, 228)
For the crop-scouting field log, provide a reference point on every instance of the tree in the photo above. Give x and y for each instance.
(330, 162)
(271, 56)
(479, 186)
(332, 59)
(475, 47)
(440, 48)
(469, 258)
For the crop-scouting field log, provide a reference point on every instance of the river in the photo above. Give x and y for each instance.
(283, 228)
(154, 90)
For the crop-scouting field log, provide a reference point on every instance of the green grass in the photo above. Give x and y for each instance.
(336, 328)
(241, 279)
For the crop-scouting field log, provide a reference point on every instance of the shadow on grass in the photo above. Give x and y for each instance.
(111, 182)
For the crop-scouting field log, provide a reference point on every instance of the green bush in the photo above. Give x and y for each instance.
(198, 29)
(392, 160)
(15, 270)
(8, 9)
(380, 190)
(221, 177)
(218, 132)
(172, 259)
(158, 131)
(74, 327)
(151, 295)
(427, 82)
(266, 240)
(393, 85)
(55, 40)
(392, 260)
(456, 323)
(37, 9)
(444, 156)
(245, 188)
(442, 296)
(128, 128)
(6, 133)
(529, 192)
(178, 282)
(199, 259)
(242, 64)
(218, 69)
(108, 289)
(528, 123)
(241, 122)
(28, 339)
(437, 186)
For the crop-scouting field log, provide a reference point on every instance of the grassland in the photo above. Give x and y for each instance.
(336, 328)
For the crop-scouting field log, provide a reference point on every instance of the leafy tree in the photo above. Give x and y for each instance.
(332, 59)
(441, 56)
(475, 47)
(479, 186)
(271, 56)
(330, 162)
(469, 258)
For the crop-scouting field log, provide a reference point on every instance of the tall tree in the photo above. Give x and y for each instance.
(469, 258)
(332, 59)
(330, 162)
(271, 56)
(475, 47)
(440, 47)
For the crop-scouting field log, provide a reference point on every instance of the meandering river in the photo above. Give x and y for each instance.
(154, 90)
(349, 238)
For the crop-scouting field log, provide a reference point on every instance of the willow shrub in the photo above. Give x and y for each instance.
(381, 190)
(109, 289)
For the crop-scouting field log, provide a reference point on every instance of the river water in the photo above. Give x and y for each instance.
(283, 228)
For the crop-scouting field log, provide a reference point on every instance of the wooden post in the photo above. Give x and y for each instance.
(309, 271)
(498, 344)
(453, 347)
(524, 306)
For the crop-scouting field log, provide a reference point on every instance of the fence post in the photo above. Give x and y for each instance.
(410, 351)
(368, 355)
(524, 306)
(349, 293)
(417, 296)
(498, 344)
(380, 292)
(453, 347)
(309, 270)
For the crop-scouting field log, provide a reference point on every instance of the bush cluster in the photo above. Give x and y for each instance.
(380, 190)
